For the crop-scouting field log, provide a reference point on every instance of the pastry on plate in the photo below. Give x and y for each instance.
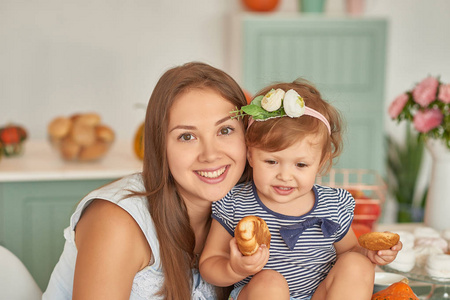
(405, 260)
(438, 266)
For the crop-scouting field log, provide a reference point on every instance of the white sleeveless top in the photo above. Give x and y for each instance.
(149, 280)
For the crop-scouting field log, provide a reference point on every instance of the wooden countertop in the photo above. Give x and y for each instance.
(40, 162)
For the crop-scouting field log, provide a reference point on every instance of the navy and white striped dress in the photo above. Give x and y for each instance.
(313, 254)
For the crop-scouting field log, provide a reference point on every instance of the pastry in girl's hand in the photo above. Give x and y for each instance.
(378, 240)
(250, 233)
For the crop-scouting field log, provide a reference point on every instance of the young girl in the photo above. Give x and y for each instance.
(293, 136)
(140, 237)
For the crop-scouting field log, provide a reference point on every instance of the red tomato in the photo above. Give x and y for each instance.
(367, 208)
(358, 194)
(10, 135)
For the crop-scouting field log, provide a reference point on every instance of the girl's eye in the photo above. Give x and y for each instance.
(301, 165)
(271, 162)
(186, 137)
(226, 130)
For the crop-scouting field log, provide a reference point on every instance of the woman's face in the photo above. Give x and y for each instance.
(205, 148)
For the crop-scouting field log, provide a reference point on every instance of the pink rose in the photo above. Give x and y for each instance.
(397, 105)
(425, 92)
(444, 93)
(428, 119)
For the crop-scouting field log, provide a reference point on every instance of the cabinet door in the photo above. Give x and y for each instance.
(33, 218)
(344, 58)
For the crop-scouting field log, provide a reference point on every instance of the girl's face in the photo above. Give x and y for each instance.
(205, 148)
(284, 179)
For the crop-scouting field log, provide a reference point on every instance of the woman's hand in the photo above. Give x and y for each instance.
(247, 265)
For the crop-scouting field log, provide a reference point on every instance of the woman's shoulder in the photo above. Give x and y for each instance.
(115, 192)
(101, 213)
(107, 229)
(119, 189)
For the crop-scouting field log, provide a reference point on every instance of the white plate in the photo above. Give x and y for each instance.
(385, 279)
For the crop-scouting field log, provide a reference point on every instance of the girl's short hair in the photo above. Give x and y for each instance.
(279, 133)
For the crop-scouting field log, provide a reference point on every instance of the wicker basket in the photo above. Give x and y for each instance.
(366, 186)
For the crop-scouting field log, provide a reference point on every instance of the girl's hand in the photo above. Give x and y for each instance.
(247, 265)
(384, 257)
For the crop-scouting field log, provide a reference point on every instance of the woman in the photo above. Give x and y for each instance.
(140, 237)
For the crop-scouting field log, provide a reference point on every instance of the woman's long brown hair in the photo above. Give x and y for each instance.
(169, 213)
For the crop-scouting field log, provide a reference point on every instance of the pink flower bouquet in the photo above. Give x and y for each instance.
(427, 107)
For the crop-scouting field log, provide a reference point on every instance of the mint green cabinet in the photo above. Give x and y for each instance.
(344, 57)
(33, 215)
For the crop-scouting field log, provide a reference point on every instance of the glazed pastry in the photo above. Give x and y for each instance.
(82, 134)
(405, 260)
(93, 152)
(438, 266)
(426, 232)
(433, 242)
(407, 239)
(88, 119)
(80, 137)
(378, 240)
(423, 251)
(59, 127)
(446, 236)
(250, 233)
(104, 133)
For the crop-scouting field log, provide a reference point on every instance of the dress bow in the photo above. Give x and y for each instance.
(291, 233)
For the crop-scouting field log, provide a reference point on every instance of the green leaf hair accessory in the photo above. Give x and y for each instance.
(275, 104)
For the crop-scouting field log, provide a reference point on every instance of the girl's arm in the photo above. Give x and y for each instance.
(222, 264)
(111, 250)
(381, 257)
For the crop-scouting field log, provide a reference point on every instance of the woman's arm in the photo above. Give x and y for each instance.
(222, 264)
(111, 250)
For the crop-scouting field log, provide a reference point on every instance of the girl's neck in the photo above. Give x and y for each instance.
(295, 208)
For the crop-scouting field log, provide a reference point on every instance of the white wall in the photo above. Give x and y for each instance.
(61, 57)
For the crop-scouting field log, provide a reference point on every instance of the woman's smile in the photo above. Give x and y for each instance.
(212, 174)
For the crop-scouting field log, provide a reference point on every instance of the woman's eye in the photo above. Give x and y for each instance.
(226, 130)
(186, 137)
(301, 165)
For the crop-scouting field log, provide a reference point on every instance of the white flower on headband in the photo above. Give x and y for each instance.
(272, 100)
(293, 103)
